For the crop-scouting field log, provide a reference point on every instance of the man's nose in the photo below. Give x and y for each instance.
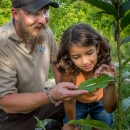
(43, 19)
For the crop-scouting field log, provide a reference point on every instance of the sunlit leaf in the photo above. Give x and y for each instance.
(93, 83)
(92, 123)
(124, 7)
(125, 21)
(125, 62)
(125, 104)
(125, 40)
(104, 6)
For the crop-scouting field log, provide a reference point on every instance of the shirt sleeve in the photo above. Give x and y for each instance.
(8, 78)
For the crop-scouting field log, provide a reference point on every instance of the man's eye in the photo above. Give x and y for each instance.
(34, 13)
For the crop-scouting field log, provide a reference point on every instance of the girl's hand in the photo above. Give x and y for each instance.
(106, 69)
(58, 103)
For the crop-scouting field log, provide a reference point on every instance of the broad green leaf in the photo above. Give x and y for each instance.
(93, 83)
(104, 6)
(125, 40)
(125, 75)
(125, 62)
(92, 123)
(124, 7)
(125, 104)
(126, 95)
(125, 21)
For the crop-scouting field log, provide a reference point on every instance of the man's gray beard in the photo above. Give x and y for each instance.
(29, 38)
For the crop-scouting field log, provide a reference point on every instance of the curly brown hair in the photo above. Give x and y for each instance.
(82, 35)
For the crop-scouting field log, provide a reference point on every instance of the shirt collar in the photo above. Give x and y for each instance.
(12, 33)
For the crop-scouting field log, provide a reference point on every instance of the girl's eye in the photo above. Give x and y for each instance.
(89, 53)
(75, 57)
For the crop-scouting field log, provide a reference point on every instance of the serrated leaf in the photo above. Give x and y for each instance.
(125, 21)
(93, 83)
(125, 40)
(125, 104)
(104, 6)
(124, 7)
(92, 123)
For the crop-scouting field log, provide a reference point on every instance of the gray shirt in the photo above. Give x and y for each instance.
(20, 71)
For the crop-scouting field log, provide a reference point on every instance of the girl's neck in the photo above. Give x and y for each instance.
(88, 75)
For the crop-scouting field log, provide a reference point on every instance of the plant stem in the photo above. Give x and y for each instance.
(120, 74)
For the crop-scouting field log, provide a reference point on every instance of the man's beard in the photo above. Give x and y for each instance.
(30, 38)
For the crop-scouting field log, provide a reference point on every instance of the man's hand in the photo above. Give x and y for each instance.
(65, 91)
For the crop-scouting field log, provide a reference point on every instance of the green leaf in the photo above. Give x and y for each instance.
(92, 123)
(104, 6)
(124, 7)
(125, 40)
(125, 104)
(93, 83)
(125, 62)
(39, 123)
(125, 21)
(126, 95)
(125, 75)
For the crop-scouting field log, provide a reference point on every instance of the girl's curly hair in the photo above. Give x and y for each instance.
(81, 35)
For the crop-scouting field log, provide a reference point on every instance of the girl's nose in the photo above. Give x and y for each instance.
(85, 60)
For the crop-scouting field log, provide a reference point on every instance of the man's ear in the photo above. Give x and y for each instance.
(15, 13)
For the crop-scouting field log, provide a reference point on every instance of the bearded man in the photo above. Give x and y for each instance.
(27, 47)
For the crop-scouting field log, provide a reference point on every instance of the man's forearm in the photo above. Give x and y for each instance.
(17, 103)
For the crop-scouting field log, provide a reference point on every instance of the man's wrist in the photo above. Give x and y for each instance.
(49, 96)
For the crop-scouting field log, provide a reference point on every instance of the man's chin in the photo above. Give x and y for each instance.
(37, 33)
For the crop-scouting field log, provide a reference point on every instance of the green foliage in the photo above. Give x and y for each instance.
(40, 124)
(126, 104)
(124, 7)
(125, 21)
(125, 40)
(78, 12)
(51, 75)
(93, 83)
(104, 6)
(5, 11)
(90, 122)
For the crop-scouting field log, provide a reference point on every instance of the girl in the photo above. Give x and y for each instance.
(83, 54)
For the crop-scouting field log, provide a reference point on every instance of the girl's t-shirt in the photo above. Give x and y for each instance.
(90, 97)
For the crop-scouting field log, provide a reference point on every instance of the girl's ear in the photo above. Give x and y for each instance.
(98, 47)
